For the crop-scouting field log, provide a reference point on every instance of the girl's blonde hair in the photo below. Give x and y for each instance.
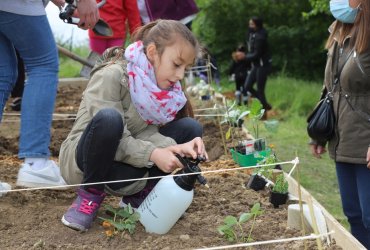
(359, 31)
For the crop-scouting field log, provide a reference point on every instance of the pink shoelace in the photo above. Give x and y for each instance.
(88, 207)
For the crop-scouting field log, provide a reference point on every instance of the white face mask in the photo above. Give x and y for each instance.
(341, 11)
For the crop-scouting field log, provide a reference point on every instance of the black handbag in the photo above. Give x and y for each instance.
(321, 122)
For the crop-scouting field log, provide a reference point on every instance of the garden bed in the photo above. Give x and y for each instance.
(31, 219)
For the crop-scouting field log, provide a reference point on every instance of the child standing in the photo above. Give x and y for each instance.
(132, 121)
(116, 14)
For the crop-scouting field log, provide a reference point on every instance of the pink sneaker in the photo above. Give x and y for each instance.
(81, 214)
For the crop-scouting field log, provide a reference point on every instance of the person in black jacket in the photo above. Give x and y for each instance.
(258, 55)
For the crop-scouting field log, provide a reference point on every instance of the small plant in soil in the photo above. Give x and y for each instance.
(257, 181)
(255, 114)
(123, 220)
(233, 230)
(234, 117)
(279, 194)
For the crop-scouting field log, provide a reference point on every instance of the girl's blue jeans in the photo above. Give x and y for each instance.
(33, 38)
(354, 187)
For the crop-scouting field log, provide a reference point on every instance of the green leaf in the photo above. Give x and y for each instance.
(256, 207)
(230, 220)
(130, 210)
(123, 213)
(130, 228)
(117, 225)
(110, 208)
(135, 217)
(228, 133)
(244, 217)
(255, 109)
(223, 228)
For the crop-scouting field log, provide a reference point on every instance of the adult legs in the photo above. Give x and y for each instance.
(249, 82)
(262, 73)
(33, 39)
(354, 187)
(8, 69)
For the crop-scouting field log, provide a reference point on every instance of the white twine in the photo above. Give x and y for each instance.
(144, 178)
(294, 166)
(308, 237)
(209, 115)
(54, 114)
(64, 117)
(214, 108)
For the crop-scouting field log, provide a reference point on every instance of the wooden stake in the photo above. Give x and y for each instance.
(314, 222)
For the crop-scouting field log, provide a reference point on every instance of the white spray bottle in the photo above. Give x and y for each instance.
(170, 198)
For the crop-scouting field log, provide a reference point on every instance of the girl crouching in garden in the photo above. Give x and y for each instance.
(133, 120)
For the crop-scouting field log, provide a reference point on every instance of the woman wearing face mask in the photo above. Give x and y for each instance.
(348, 64)
(259, 57)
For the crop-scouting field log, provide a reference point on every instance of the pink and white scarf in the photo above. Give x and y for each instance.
(155, 106)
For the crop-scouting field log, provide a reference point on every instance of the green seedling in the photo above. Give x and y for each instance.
(281, 185)
(123, 220)
(232, 229)
(256, 113)
(266, 171)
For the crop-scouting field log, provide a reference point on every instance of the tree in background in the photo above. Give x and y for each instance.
(297, 31)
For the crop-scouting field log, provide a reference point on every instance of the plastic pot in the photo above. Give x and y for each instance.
(277, 199)
(256, 182)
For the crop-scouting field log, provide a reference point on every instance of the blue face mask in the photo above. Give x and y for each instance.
(341, 11)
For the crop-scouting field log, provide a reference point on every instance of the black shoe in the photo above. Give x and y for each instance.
(267, 107)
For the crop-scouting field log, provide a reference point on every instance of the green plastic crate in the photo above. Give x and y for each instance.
(251, 159)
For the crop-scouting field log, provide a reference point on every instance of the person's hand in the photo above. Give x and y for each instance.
(368, 157)
(165, 159)
(317, 150)
(239, 55)
(87, 11)
(191, 149)
(59, 3)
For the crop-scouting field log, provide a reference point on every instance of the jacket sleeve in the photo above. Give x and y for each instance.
(258, 48)
(133, 15)
(105, 91)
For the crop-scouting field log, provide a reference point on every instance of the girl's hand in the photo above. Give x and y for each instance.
(191, 149)
(317, 150)
(165, 159)
(368, 157)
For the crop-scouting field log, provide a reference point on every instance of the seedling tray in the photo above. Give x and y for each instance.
(250, 159)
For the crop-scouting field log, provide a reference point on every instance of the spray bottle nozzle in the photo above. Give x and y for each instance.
(202, 180)
(191, 166)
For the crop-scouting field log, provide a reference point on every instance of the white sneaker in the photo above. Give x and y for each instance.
(46, 177)
(4, 187)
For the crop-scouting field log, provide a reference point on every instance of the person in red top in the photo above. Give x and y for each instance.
(115, 13)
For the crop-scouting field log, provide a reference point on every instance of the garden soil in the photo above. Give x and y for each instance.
(31, 219)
